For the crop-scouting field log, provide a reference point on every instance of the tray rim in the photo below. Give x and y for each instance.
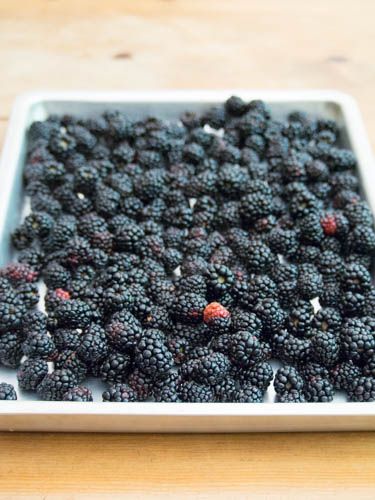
(10, 154)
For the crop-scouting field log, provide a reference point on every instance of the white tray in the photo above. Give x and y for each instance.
(29, 414)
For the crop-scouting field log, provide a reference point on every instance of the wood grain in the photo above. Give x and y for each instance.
(148, 44)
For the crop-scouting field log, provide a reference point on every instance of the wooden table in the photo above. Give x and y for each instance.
(96, 44)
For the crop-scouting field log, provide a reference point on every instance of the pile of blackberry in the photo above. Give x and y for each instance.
(182, 256)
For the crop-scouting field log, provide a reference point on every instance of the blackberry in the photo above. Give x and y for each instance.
(235, 106)
(270, 313)
(151, 354)
(217, 317)
(290, 349)
(93, 346)
(31, 373)
(55, 385)
(309, 283)
(259, 256)
(357, 340)
(142, 384)
(56, 276)
(128, 238)
(69, 360)
(224, 390)
(369, 367)
(115, 368)
(219, 280)
(245, 348)
(39, 345)
(319, 390)
(195, 284)
(287, 379)
(248, 394)
(325, 348)
(255, 205)
(119, 393)
(287, 293)
(359, 214)
(73, 314)
(211, 369)
(192, 392)
(312, 369)
(29, 294)
(157, 317)
(362, 389)
(10, 349)
(78, 394)
(300, 316)
(355, 278)
(166, 395)
(232, 180)
(344, 374)
(189, 308)
(292, 396)
(244, 320)
(353, 303)
(7, 392)
(12, 310)
(362, 240)
(259, 375)
(283, 241)
(327, 319)
(34, 321)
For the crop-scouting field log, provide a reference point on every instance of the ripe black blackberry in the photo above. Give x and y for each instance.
(115, 368)
(12, 310)
(357, 340)
(355, 278)
(7, 392)
(74, 314)
(290, 349)
(344, 374)
(362, 240)
(255, 205)
(319, 390)
(353, 303)
(39, 345)
(225, 389)
(78, 393)
(248, 394)
(119, 393)
(327, 319)
(325, 348)
(69, 360)
(192, 392)
(31, 373)
(235, 106)
(258, 286)
(369, 367)
(287, 379)
(292, 396)
(299, 317)
(151, 354)
(244, 320)
(312, 369)
(142, 384)
(259, 375)
(211, 369)
(29, 294)
(362, 389)
(157, 317)
(309, 283)
(283, 241)
(56, 276)
(34, 321)
(219, 280)
(93, 346)
(359, 214)
(245, 348)
(271, 314)
(11, 349)
(55, 385)
(189, 308)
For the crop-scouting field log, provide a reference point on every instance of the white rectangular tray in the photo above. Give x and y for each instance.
(29, 414)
